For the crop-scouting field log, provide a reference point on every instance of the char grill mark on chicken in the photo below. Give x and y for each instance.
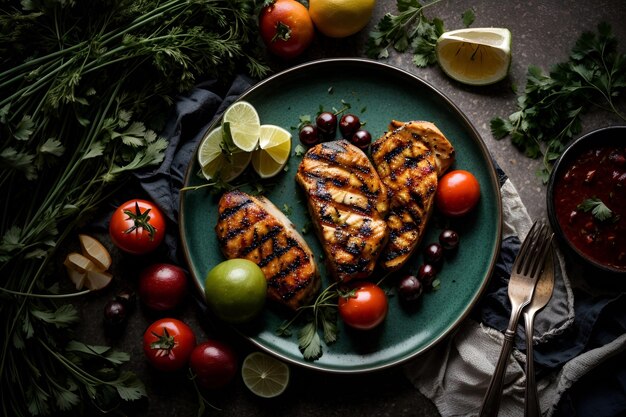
(255, 229)
(348, 205)
(409, 158)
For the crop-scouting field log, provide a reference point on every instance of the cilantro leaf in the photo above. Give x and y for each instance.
(309, 342)
(24, 128)
(129, 387)
(598, 209)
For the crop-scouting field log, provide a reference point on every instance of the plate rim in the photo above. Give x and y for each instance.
(493, 175)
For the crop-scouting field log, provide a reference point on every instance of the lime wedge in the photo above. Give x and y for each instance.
(264, 375)
(475, 56)
(244, 125)
(215, 162)
(273, 152)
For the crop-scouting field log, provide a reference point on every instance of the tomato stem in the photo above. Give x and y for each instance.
(140, 221)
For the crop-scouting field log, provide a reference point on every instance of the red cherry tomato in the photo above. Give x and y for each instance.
(137, 227)
(457, 193)
(168, 344)
(162, 286)
(214, 364)
(364, 306)
(286, 28)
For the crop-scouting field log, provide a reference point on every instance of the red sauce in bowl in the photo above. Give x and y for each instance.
(596, 173)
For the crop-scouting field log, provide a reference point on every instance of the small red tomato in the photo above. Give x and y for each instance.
(168, 344)
(137, 227)
(214, 364)
(162, 286)
(286, 28)
(364, 306)
(457, 193)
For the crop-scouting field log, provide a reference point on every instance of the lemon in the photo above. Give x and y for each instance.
(235, 290)
(476, 56)
(244, 125)
(273, 152)
(214, 161)
(340, 18)
(264, 375)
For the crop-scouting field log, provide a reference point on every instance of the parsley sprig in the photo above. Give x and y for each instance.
(551, 107)
(319, 316)
(410, 28)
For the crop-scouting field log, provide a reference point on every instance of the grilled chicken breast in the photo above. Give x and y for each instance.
(409, 158)
(348, 204)
(253, 228)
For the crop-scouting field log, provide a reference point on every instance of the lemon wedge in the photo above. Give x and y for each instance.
(475, 56)
(95, 252)
(214, 161)
(264, 375)
(245, 125)
(84, 272)
(273, 152)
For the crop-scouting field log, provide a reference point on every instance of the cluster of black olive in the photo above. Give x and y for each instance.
(325, 128)
(411, 287)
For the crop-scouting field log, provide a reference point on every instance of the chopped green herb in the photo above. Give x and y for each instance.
(468, 17)
(307, 226)
(299, 150)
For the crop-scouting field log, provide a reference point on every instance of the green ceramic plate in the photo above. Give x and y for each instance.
(377, 93)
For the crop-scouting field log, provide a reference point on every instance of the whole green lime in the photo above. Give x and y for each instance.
(235, 290)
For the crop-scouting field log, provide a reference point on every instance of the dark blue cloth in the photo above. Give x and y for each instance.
(193, 115)
(598, 320)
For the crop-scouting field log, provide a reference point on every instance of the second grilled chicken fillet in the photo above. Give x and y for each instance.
(348, 204)
(409, 158)
(253, 228)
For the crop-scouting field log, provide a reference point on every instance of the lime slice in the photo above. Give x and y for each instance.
(475, 56)
(264, 375)
(214, 162)
(244, 125)
(273, 152)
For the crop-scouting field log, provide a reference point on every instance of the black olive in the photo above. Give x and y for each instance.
(449, 239)
(410, 288)
(426, 275)
(115, 313)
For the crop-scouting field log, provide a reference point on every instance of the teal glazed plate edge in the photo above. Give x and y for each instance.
(377, 93)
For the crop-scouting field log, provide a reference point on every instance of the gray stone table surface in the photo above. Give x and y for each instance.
(543, 34)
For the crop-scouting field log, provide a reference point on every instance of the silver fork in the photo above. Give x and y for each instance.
(543, 293)
(524, 275)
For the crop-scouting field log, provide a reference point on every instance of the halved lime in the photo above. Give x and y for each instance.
(215, 162)
(476, 56)
(244, 125)
(264, 375)
(273, 152)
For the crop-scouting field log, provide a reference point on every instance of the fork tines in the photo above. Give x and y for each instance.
(535, 248)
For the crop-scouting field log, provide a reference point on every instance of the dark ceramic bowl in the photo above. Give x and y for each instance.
(574, 227)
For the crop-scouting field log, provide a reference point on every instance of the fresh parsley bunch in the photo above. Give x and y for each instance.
(551, 107)
(84, 87)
